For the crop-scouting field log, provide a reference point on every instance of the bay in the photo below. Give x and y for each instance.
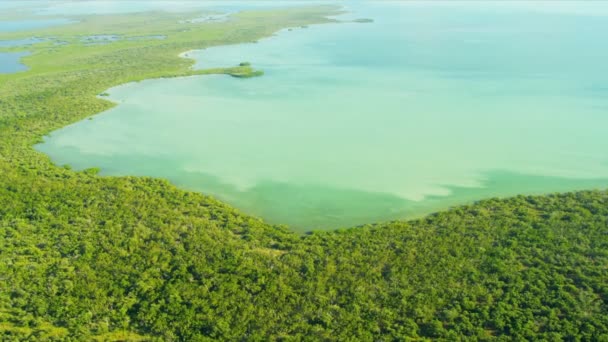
(430, 106)
(10, 62)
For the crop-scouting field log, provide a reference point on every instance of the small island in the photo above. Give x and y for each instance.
(247, 74)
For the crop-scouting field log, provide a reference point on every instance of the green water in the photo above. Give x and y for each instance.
(430, 106)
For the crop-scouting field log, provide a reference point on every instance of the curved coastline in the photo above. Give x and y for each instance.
(449, 196)
(88, 257)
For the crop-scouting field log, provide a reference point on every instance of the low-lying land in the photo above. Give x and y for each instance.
(85, 257)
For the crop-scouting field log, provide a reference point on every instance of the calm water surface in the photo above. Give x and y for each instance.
(20, 42)
(34, 24)
(132, 6)
(10, 62)
(432, 105)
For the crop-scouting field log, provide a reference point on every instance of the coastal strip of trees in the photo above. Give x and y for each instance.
(85, 257)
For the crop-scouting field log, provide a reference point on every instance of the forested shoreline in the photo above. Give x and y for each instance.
(85, 257)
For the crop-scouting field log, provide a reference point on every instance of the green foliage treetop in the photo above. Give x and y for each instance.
(86, 257)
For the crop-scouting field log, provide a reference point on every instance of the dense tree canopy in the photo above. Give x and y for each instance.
(85, 257)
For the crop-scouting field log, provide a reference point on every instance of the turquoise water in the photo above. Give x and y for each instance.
(432, 105)
(33, 24)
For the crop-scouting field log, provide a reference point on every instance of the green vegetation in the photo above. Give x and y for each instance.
(84, 257)
(363, 20)
(244, 71)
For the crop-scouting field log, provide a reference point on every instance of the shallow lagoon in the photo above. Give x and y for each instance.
(33, 24)
(20, 42)
(10, 62)
(428, 107)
